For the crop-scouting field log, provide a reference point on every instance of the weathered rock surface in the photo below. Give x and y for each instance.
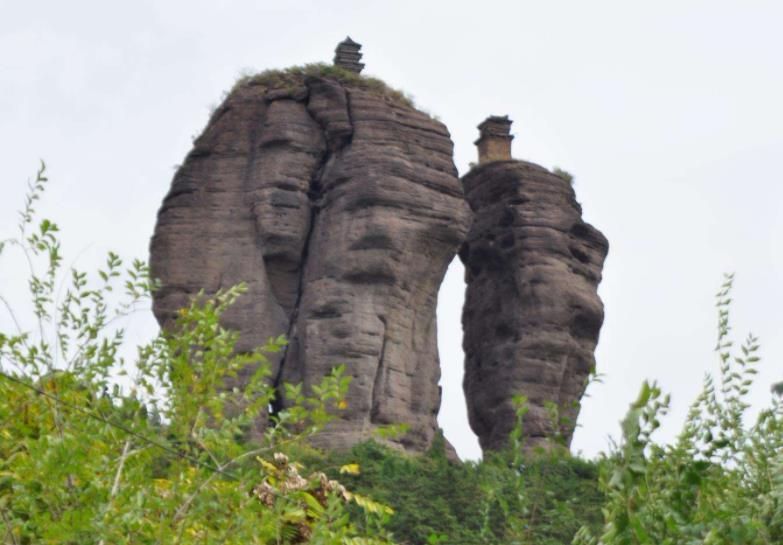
(340, 208)
(532, 314)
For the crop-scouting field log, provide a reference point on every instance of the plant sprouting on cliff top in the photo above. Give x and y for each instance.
(564, 174)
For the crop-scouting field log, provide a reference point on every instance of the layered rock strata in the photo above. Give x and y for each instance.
(532, 314)
(339, 206)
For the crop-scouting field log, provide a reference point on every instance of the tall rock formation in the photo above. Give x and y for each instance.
(339, 206)
(532, 314)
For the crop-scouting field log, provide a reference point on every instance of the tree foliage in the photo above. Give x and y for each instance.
(720, 483)
(163, 449)
(517, 496)
(166, 447)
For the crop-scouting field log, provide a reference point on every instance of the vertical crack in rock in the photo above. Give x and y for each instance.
(336, 140)
(379, 376)
(314, 195)
(348, 111)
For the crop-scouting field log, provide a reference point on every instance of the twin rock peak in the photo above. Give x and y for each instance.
(338, 204)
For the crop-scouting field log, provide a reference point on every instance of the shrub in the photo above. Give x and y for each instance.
(719, 483)
(543, 499)
(564, 174)
(167, 458)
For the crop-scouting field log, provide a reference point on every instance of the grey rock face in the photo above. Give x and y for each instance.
(340, 208)
(532, 314)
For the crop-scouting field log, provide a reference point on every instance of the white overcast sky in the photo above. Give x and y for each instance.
(668, 113)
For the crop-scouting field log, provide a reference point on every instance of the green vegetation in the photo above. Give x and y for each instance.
(295, 76)
(720, 483)
(544, 499)
(564, 174)
(97, 450)
(174, 456)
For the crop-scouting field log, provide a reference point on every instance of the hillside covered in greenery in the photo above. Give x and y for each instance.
(544, 499)
(95, 449)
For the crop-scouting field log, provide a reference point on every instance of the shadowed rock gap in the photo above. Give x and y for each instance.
(314, 194)
(378, 382)
(334, 146)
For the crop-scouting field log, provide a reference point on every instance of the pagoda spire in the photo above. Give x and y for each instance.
(347, 55)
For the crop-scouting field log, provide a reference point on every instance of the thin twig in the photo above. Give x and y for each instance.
(203, 446)
(55, 320)
(115, 487)
(9, 531)
(13, 317)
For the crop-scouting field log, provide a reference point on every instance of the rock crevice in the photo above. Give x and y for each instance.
(377, 389)
(337, 131)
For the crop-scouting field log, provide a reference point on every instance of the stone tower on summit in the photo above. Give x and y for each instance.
(338, 204)
(347, 55)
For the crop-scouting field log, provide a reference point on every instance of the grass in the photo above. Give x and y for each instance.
(296, 75)
(564, 174)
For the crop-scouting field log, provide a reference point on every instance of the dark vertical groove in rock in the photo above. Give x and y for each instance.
(315, 197)
(379, 372)
(348, 110)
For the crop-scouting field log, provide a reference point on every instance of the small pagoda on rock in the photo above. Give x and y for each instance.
(494, 143)
(347, 55)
